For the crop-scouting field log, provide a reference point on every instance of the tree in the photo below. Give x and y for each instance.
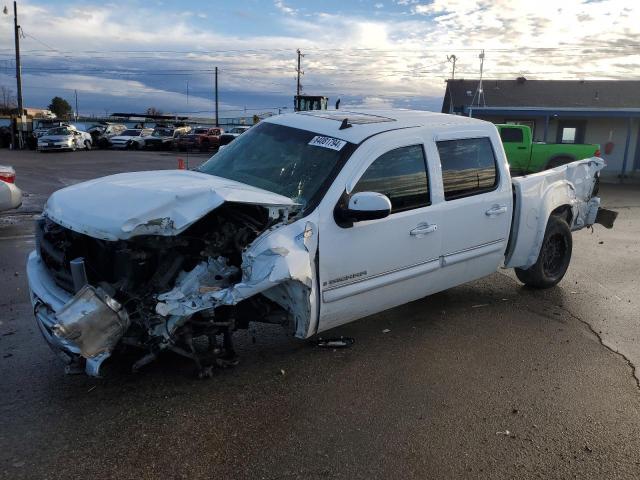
(153, 111)
(7, 100)
(60, 107)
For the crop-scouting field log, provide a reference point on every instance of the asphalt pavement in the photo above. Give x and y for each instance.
(486, 380)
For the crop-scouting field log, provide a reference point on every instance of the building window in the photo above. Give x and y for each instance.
(401, 175)
(569, 135)
(571, 131)
(468, 167)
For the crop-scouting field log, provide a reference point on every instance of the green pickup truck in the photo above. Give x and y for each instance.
(526, 156)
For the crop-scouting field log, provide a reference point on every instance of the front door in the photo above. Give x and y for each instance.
(377, 264)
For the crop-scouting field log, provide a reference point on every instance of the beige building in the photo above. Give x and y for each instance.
(606, 112)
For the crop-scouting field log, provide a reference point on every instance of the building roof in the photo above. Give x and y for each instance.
(365, 123)
(545, 93)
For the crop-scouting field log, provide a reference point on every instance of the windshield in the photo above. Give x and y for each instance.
(200, 131)
(279, 159)
(59, 131)
(238, 130)
(131, 133)
(162, 132)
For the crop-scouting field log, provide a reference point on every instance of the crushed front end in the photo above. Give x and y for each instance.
(185, 293)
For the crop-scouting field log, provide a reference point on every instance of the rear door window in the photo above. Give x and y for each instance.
(511, 135)
(401, 175)
(468, 167)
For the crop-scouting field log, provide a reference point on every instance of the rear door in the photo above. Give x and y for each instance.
(517, 146)
(477, 202)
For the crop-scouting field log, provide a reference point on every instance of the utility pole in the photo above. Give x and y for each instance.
(76, 94)
(452, 59)
(16, 32)
(480, 91)
(300, 72)
(216, 85)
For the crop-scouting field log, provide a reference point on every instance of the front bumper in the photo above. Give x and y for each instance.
(54, 146)
(47, 299)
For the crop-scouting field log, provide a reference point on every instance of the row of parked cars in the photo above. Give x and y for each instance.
(119, 136)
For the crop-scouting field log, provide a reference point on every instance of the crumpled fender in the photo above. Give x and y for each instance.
(281, 259)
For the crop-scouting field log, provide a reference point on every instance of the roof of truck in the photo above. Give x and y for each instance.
(365, 123)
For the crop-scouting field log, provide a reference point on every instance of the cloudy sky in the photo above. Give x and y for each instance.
(127, 56)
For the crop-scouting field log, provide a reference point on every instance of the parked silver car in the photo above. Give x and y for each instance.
(64, 138)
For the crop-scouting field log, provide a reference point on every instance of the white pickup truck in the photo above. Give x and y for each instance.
(309, 220)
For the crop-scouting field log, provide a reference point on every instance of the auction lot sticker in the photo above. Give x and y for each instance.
(327, 142)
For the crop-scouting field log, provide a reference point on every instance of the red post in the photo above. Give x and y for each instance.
(181, 164)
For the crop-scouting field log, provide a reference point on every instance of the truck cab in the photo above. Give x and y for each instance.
(526, 156)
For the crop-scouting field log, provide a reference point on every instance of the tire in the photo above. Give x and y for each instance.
(134, 146)
(87, 145)
(557, 161)
(204, 147)
(553, 260)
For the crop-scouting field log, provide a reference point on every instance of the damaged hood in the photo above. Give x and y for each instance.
(163, 202)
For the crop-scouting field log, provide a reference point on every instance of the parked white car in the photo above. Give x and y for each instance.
(308, 220)
(10, 194)
(230, 135)
(127, 139)
(64, 138)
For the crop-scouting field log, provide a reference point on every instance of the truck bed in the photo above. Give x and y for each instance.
(536, 196)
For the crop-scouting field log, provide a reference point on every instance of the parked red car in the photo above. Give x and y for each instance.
(203, 139)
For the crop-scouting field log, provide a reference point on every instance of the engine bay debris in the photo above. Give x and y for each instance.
(185, 293)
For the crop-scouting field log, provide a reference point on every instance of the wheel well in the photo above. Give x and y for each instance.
(564, 212)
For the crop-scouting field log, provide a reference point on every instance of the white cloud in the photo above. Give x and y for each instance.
(284, 8)
(386, 56)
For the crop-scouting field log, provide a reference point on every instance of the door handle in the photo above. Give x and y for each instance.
(422, 229)
(522, 148)
(496, 210)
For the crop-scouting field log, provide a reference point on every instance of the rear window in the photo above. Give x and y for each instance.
(468, 167)
(511, 135)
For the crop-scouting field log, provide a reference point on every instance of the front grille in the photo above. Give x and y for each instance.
(124, 262)
(59, 245)
(53, 243)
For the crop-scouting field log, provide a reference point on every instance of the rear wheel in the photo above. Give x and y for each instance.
(553, 260)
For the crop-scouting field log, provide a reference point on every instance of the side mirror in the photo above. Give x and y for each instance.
(367, 206)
